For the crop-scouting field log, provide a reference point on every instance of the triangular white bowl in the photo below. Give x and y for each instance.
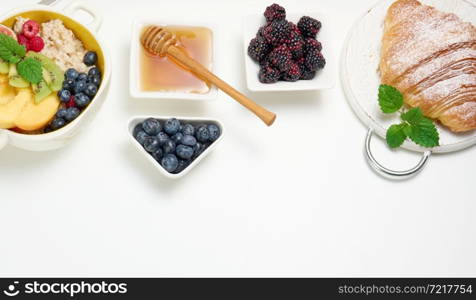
(131, 124)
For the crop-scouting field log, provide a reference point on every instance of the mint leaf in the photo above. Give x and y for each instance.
(413, 116)
(10, 50)
(30, 70)
(396, 135)
(389, 99)
(424, 133)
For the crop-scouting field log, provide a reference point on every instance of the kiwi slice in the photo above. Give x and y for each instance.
(41, 91)
(52, 74)
(16, 80)
(4, 67)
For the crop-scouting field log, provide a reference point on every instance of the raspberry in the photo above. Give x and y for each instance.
(22, 40)
(268, 74)
(280, 58)
(258, 49)
(30, 29)
(277, 33)
(274, 12)
(309, 27)
(71, 102)
(293, 74)
(314, 61)
(36, 44)
(295, 45)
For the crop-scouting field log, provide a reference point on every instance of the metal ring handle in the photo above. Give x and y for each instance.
(392, 173)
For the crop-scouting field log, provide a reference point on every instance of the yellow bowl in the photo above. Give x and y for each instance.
(59, 138)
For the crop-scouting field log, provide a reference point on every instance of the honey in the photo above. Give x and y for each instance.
(162, 74)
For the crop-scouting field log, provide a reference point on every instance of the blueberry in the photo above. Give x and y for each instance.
(140, 136)
(182, 165)
(47, 129)
(72, 113)
(79, 86)
(189, 140)
(136, 129)
(64, 95)
(151, 144)
(61, 113)
(177, 138)
(198, 149)
(71, 74)
(169, 146)
(163, 137)
(172, 126)
(91, 90)
(57, 123)
(90, 58)
(82, 77)
(94, 71)
(202, 134)
(188, 129)
(81, 100)
(170, 163)
(68, 84)
(151, 126)
(94, 79)
(214, 132)
(158, 154)
(184, 152)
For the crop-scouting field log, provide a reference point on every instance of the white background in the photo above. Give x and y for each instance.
(295, 199)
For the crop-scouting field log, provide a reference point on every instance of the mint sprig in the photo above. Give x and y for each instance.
(10, 50)
(389, 99)
(420, 129)
(30, 70)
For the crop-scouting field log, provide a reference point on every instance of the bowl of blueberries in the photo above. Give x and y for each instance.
(174, 145)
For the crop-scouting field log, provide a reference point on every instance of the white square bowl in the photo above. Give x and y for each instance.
(324, 78)
(134, 71)
(131, 124)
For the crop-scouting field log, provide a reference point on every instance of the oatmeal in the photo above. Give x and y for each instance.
(18, 27)
(62, 46)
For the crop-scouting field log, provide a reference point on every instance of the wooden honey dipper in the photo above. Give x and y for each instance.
(159, 41)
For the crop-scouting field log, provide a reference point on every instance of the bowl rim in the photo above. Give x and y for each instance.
(104, 83)
(252, 82)
(133, 121)
(134, 65)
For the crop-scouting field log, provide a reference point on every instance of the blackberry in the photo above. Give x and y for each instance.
(309, 27)
(296, 45)
(277, 33)
(258, 49)
(295, 28)
(307, 75)
(314, 61)
(311, 45)
(260, 33)
(280, 58)
(274, 12)
(268, 74)
(293, 74)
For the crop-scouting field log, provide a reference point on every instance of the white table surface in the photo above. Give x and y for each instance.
(296, 199)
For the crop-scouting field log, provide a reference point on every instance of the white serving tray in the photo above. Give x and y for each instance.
(360, 80)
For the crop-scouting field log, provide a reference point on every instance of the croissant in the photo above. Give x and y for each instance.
(430, 56)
